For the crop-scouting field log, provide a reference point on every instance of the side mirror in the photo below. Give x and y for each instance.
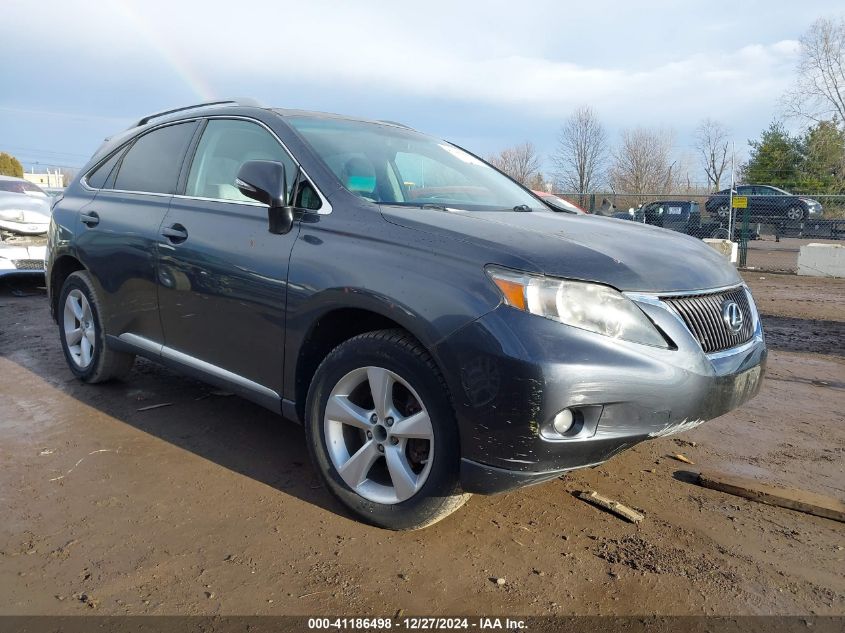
(264, 181)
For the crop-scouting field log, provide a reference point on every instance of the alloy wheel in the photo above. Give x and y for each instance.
(80, 336)
(795, 213)
(379, 435)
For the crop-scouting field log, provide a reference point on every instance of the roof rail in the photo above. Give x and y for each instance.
(241, 101)
(396, 123)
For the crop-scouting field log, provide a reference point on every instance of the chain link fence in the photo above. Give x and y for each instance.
(755, 217)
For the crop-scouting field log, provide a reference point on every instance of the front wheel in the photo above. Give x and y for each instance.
(382, 433)
(723, 211)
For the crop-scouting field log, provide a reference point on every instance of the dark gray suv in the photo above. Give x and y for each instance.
(437, 329)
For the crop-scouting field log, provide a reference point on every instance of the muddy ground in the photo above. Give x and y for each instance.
(209, 505)
(779, 256)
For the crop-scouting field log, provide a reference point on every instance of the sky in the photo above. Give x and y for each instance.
(484, 75)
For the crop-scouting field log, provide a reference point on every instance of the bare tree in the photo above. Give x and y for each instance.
(581, 156)
(520, 162)
(643, 162)
(68, 173)
(712, 141)
(819, 90)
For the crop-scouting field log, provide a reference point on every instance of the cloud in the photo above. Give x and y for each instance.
(492, 69)
(441, 50)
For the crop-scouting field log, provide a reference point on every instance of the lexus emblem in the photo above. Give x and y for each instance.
(732, 316)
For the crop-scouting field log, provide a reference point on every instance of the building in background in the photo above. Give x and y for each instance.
(45, 179)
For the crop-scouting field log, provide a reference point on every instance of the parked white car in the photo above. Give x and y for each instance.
(24, 220)
(24, 207)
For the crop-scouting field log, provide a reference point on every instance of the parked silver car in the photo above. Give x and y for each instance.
(24, 219)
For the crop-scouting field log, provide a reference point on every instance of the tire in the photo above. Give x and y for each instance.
(720, 234)
(409, 482)
(795, 213)
(723, 211)
(79, 312)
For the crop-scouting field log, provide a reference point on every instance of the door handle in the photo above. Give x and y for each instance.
(175, 233)
(90, 219)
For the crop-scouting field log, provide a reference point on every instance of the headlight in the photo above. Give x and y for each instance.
(591, 307)
(11, 216)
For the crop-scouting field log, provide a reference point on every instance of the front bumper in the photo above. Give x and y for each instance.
(517, 371)
(18, 259)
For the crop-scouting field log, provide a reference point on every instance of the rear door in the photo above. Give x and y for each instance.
(222, 274)
(119, 228)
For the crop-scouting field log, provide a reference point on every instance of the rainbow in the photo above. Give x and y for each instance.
(177, 63)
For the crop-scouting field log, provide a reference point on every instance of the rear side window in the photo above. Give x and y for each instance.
(103, 176)
(152, 163)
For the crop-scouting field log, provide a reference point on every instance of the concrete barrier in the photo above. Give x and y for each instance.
(725, 247)
(822, 260)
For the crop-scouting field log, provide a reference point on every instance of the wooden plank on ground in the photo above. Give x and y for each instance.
(792, 498)
(609, 504)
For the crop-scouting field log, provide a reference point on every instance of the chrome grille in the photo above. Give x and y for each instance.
(28, 264)
(702, 314)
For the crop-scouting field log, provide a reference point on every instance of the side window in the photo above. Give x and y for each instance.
(307, 198)
(745, 191)
(103, 176)
(152, 163)
(226, 144)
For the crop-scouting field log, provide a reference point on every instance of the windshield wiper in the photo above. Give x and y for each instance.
(522, 208)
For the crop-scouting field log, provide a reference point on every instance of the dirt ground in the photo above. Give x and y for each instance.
(779, 256)
(209, 505)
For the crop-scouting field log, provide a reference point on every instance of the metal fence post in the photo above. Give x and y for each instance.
(743, 239)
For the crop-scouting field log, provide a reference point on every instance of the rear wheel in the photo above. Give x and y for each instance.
(382, 432)
(723, 211)
(83, 336)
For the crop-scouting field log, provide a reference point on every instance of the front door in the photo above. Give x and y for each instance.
(222, 275)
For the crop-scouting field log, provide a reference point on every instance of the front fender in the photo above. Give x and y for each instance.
(352, 258)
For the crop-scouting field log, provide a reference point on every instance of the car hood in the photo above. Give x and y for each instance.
(626, 255)
(35, 209)
(23, 202)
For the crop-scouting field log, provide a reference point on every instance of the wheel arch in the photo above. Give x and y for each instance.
(337, 324)
(61, 269)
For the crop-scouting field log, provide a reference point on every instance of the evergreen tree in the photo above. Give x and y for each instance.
(775, 158)
(823, 165)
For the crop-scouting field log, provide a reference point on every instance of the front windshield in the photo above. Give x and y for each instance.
(393, 165)
(559, 204)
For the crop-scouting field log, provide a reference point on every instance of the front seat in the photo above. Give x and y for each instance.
(359, 176)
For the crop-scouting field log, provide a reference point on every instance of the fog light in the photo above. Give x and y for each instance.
(563, 421)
